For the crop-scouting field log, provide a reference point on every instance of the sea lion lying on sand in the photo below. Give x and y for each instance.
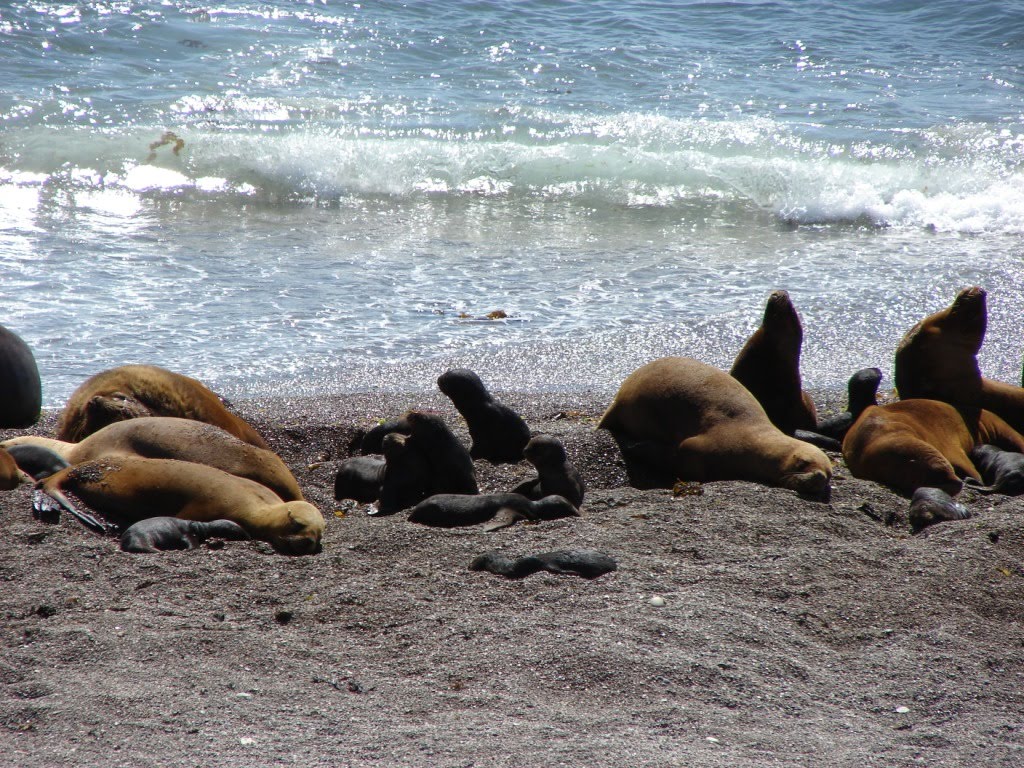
(133, 391)
(918, 443)
(938, 359)
(701, 424)
(451, 510)
(929, 506)
(162, 534)
(126, 489)
(167, 437)
(588, 563)
(1002, 471)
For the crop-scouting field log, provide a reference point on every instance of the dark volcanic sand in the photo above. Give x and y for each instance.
(794, 633)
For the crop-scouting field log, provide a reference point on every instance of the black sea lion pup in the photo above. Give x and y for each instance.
(703, 425)
(768, 365)
(21, 392)
(132, 391)
(933, 505)
(161, 534)
(373, 441)
(588, 563)
(451, 510)
(1002, 471)
(37, 461)
(406, 479)
(126, 489)
(451, 466)
(359, 478)
(555, 474)
(938, 359)
(861, 392)
(499, 433)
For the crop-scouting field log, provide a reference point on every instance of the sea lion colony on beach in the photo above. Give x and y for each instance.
(138, 442)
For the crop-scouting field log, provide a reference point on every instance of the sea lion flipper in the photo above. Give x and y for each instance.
(503, 518)
(824, 442)
(47, 503)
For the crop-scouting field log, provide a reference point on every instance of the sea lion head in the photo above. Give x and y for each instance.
(462, 385)
(968, 314)
(299, 531)
(544, 450)
(780, 316)
(806, 470)
(554, 507)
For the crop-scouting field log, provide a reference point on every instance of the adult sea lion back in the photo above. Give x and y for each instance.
(21, 393)
(705, 425)
(133, 391)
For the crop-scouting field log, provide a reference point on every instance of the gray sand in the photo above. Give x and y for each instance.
(793, 632)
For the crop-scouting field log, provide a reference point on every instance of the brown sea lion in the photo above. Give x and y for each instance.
(938, 359)
(918, 443)
(768, 365)
(169, 437)
(499, 433)
(162, 534)
(21, 392)
(132, 391)
(126, 489)
(703, 425)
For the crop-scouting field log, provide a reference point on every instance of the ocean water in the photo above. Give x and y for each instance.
(309, 197)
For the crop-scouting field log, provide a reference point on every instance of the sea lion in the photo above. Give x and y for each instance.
(768, 365)
(133, 391)
(918, 443)
(499, 433)
(588, 563)
(452, 510)
(861, 392)
(938, 359)
(373, 440)
(407, 478)
(126, 489)
(702, 425)
(451, 466)
(555, 474)
(359, 478)
(169, 437)
(21, 392)
(1002, 471)
(933, 505)
(161, 534)
(11, 475)
(37, 461)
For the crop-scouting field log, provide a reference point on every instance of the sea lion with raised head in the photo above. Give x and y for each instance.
(588, 563)
(169, 437)
(451, 466)
(918, 443)
(163, 534)
(498, 510)
(133, 391)
(938, 359)
(1002, 471)
(499, 433)
(555, 473)
(861, 392)
(126, 489)
(768, 365)
(407, 478)
(701, 424)
(21, 392)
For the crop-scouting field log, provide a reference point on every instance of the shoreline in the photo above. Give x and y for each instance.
(789, 627)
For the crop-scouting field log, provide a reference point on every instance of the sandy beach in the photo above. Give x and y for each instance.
(792, 632)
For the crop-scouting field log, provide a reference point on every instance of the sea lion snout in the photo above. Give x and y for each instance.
(813, 483)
